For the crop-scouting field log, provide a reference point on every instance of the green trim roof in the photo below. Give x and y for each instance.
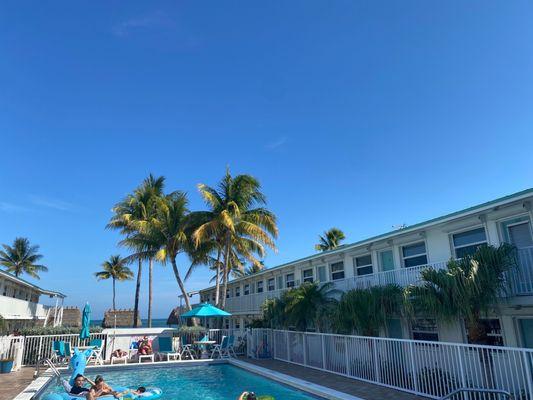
(35, 287)
(469, 210)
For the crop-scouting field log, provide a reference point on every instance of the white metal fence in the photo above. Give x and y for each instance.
(431, 369)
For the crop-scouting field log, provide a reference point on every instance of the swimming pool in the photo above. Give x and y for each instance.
(206, 382)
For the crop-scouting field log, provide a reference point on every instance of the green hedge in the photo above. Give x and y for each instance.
(58, 330)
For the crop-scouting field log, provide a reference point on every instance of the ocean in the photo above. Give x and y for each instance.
(156, 322)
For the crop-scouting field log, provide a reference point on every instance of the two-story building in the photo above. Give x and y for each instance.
(398, 257)
(20, 307)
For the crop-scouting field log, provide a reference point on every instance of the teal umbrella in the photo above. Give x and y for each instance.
(85, 321)
(205, 310)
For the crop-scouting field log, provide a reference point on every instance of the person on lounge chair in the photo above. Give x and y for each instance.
(145, 346)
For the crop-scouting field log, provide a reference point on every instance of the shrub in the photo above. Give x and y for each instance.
(58, 330)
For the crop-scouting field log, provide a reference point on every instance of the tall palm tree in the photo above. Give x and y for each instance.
(467, 289)
(251, 270)
(22, 258)
(170, 228)
(131, 216)
(331, 239)
(238, 221)
(115, 268)
(306, 303)
(367, 310)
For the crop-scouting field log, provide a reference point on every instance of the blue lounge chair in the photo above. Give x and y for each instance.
(58, 351)
(231, 349)
(221, 348)
(166, 350)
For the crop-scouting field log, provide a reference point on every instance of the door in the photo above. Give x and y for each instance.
(394, 328)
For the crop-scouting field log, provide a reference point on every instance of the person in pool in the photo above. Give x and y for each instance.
(79, 385)
(247, 396)
(140, 390)
(100, 388)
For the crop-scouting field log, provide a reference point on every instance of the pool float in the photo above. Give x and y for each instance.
(77, 364)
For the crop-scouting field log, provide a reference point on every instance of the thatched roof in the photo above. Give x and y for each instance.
(122, 318)
(72, 317)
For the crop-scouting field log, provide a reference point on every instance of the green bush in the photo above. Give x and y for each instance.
(191, 330)
(58, 330)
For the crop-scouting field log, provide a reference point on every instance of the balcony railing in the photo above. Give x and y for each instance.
(520, 280)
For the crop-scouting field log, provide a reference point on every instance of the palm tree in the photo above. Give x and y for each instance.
(330, 240)
(274, 311)
(467, 289)
(251, 270)
(237, 221)
(21, 258)
(115, 268)
(131, 216)
(306, 303)
(367, 310)
(170, 229)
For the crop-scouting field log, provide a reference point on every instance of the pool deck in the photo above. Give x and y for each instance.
(15, 382)
(363, 390)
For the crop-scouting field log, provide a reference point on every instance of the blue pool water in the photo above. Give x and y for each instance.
(210, 382)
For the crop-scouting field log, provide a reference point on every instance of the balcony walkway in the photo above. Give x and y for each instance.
(363, 390)
(15, 382)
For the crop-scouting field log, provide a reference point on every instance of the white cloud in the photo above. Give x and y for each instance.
(10, 207)
(276, 144)
(147, 21)
(52, 203)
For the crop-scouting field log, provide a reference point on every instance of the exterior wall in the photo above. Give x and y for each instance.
(439, 249)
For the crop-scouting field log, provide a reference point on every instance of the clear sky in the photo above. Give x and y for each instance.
(356, 114)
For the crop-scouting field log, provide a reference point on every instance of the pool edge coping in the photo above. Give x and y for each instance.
(300, 384)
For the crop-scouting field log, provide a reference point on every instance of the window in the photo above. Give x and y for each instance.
(494, 332)
(466, 243)
(308, 275)
(414, 255)
(228, 294)
(425, 329)
(237, 291)
(271, 285)
(363, 265)
(213, 296)
(247, 289)
(237, 324)
(321, 272)
(337, 271)
(289, 280)
(260, 287)
(520, 234)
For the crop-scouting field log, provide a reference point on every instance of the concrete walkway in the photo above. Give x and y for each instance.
(15, 382)
(353, 387)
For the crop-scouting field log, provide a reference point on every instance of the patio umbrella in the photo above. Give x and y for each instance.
(85, 321)
(206, 310)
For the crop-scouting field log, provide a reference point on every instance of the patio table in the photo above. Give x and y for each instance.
(205, 343)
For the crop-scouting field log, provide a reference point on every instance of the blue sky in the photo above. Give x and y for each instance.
(356, 114)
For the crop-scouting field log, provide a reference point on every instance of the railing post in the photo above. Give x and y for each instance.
(461, 369)
(322, 336)
(376, 361)
(40, 348)
(304, 347)
(413, 363)
(274, 346)
(287, 343)
(527, 367)
(346, 341)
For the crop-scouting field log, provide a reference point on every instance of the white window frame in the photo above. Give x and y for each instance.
(336, 272)
(307, 278)
(237, 291)
(471, 228)
(273, 286)
(524, 221)
(246, 287)
(417, 255)
(288, 284)
(262, 284)
(356, 267)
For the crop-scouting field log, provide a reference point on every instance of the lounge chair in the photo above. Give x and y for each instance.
(58, 351)
(221, 348)
(185, 348)
(166, 350)
(133, 349)
(230, 349)
(96, 355)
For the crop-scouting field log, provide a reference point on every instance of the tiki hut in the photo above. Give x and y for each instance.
(122, 319)
(72, 317)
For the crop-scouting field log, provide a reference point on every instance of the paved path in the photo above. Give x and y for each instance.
(13, 383)
(353, 387)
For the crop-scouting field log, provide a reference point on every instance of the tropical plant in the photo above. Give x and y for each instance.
(131, 216)
(21, 258)
(250, 270)
(366, 310)
(331, 239)
(237, 221)
(115, 269)
(274, 313)
(467, 289)
(306, 303)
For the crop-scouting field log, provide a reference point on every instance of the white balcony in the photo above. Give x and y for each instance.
(521, 282)
(11, 308)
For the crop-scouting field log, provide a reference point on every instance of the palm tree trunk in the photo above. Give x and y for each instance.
(137, 295)
(182, 288)
(217, 281)
(226, 268)
(114, 307)
(150, 280)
